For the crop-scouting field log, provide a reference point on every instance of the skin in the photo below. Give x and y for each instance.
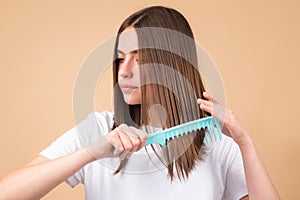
(259, 183)
(127, 140)
(128, 74)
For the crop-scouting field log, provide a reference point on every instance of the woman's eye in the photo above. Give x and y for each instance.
(137, 59)
(120, 60)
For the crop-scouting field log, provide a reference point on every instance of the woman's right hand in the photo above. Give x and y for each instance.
(120, 142)
(50, 173)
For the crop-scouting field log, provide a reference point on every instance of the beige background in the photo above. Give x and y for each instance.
(255, 45)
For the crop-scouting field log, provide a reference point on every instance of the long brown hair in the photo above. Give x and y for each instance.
(167, 54)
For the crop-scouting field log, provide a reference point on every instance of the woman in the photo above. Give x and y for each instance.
(148, 73)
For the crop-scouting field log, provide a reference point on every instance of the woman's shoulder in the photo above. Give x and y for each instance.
(103, 115)
(105, 119)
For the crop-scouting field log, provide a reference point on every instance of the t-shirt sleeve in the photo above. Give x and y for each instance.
(236, 186)
(84, 133)
(65, 144)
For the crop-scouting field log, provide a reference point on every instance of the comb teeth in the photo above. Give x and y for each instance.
(210, 124)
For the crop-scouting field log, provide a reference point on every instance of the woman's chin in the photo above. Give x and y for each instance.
(133, 98)
(133, 102)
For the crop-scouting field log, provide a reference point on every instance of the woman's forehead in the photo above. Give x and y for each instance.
(128, 41)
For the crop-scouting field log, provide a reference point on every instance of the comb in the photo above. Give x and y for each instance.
(210, 124)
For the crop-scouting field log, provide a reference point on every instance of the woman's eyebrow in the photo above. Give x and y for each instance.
(131, 52)
(121, 52)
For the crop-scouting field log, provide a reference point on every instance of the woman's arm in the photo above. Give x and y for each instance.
(40, 176)
(259, 183)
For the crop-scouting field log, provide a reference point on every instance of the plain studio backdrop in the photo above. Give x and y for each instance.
(254, 44)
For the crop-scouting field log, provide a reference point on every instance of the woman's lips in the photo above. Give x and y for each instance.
(128, 88)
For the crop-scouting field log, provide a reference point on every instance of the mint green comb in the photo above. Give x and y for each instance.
(211, 134)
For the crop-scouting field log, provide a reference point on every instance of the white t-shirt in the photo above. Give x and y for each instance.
(219, 176)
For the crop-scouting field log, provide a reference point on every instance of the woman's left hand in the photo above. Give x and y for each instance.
(230, 124)
(259, 184)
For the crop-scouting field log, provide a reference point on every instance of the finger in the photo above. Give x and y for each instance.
(205, 102)
(142, 134)
(206, 108)
(131, 132)
(142, 137)
(209, 97)
(118, 146)
(117, 152)
(133, 136)
(138, 137)
(115, 140)
(126, 141)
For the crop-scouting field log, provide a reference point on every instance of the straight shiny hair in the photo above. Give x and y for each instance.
(169, 78)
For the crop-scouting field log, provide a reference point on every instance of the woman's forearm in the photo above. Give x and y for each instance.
(259, 183)
(35, 181)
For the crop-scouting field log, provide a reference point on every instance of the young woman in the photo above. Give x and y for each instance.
(155, 67)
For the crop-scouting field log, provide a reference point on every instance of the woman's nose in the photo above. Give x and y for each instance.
(125, 68)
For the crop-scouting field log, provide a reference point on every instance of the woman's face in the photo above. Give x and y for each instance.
(128, 71)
